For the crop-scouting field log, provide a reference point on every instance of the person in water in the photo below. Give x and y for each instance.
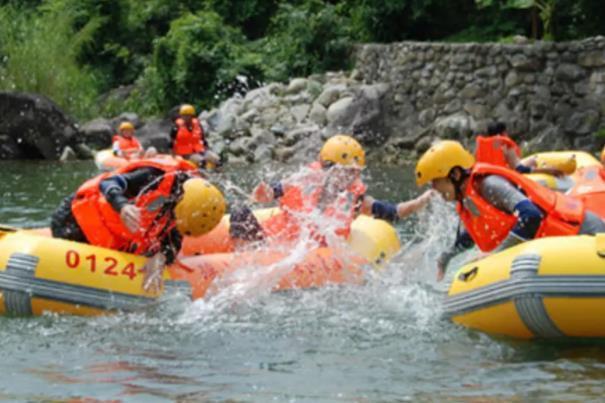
(143, 208)
(188, 139)
(332, 186)
(498, 148)
(499, 207)
(126, 145)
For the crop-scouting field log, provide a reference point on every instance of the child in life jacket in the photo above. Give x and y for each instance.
(126, 145)
(188, 138)
(331, 186)
(143, 208)
(499, 207)
(497, 148)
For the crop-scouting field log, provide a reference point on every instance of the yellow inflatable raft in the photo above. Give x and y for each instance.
(43, 274)
(571, 163)
(39, 273)
(545, 288)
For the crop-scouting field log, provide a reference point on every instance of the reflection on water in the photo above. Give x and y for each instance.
(384, 341)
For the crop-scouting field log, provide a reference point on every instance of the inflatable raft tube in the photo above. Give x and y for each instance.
(371, 243)
(545, 288)
(319, 267)
(572, 163)
(375, 240)
(42, 274)
(106, 161)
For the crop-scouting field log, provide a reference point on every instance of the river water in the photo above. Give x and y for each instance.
(384, 341)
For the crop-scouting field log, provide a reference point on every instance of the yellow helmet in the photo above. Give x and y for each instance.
(438, 161)
(126, 126)
(187, 109)
(343, 150)
(200, 209)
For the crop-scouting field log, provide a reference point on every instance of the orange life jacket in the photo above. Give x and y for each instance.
(102, 224)
(188, 141)
(490, 150)
(305, 197)
(128, 146)
(489, 226)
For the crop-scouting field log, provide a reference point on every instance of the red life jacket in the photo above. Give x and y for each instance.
(490, 150)
(102, 224)
(305, 197)
(489, 226)
(188, 141)
(127, 146)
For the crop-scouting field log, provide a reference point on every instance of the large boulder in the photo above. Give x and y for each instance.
(156, 133)
(361, 114)
(97, 133)
(33, 127)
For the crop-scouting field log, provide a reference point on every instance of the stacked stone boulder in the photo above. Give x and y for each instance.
(288, 122)
(403, 96)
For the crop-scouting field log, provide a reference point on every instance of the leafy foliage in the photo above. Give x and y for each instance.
(39, 52)
(171, 51)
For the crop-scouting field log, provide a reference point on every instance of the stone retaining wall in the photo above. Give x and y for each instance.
(550, 94)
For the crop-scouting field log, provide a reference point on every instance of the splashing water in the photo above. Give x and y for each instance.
(383, 341)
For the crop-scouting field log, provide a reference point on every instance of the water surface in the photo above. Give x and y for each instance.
(384, 341)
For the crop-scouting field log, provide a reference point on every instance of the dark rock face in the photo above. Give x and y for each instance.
(97, 133)
(33, 127)
(155, 133)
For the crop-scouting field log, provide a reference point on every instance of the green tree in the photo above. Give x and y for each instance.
(39, 53)
(538, 8)
(251, 16)
(198, 57)
(305, 39)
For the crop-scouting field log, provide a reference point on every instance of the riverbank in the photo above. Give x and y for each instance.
(397, 100)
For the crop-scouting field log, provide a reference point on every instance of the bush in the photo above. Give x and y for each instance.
(195, 61)
(38, 53)
(308, 38)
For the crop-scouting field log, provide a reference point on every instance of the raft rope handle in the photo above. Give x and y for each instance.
(7, 228)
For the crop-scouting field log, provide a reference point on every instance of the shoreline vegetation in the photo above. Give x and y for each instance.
(100, 58)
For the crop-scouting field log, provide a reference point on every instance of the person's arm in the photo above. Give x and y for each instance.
(392, 212)
(462, 243)
(503, 195)
(170, 245)
(116, 149)
(117, 189)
